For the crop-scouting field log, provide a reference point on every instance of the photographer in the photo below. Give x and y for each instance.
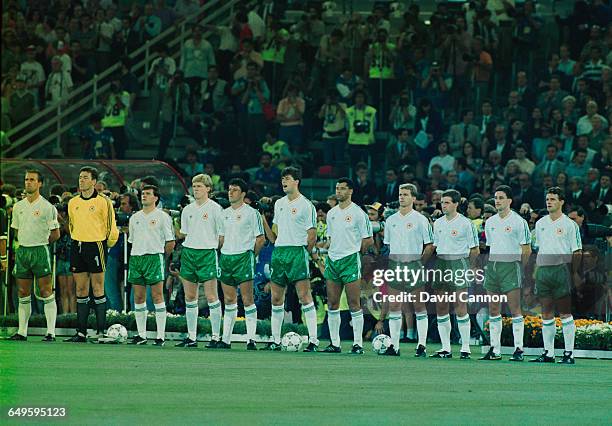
(115, 115)
(174, 108)
(361, 121)
(379, 67)
(333, 114)
(162, 69)
(403, 113)
(435, 87)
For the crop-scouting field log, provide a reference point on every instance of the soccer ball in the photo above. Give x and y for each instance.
(381, 343)
(291, 342)
(117, 332)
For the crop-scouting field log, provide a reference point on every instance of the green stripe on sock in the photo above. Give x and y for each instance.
(418, 317)
(445, 319)
(357, 314)
(230, 309)
(498, 319)
(281, 309)
(139, 310)
(160, 310)
(463, 320)
(191, 304)
(250, 311)
(517, 321)
(214, 305)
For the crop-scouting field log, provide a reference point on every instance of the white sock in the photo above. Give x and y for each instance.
(357, 320)
(228, 322)
(569, 333)
(160, 320)
(495, 327)
(422, 325)
(333, 322)
(191, 315)
(250, 312)
(215, 319)
(276, 322)
(464, 325)
(310, 315)
(518, 330)
(50, 313)
(444, 330)
(25, 310)
(395, 325)
(140, 312)
(549, 330)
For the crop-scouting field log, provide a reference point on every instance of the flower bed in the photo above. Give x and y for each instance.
(590, 334)
(174, 323)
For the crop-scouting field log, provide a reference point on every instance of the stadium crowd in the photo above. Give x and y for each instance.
(469, 100)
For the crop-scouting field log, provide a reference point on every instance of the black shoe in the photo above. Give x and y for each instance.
(187, 343)
(391, 352)
(544, 358)
(212, 344)
(251, 346)
(357, 350)
(311, 348)
(137, 340)
(441, 354)
(517, 355)
(491, 356)
(49, 338)
(331, 349)
(465, 355)
(222, 345)
(421, 352)
(272, 346)
(77, 338)
(567, 358)
(18, 338)
(159, 342)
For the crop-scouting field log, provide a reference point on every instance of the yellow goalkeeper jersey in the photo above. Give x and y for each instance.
(92, 219)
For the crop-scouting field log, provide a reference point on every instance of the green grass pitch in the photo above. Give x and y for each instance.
(120, 384)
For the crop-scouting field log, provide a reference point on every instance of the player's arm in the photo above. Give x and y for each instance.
(525, 254)
(270, 235)
(311, 239)
(576, 262)
(366, 243)
(3, 253)
(54, 235)
(169, 236)
(169, 248)
(367, 237)
(113, 232)
(428, 252)
(259, 243)
(474, 252)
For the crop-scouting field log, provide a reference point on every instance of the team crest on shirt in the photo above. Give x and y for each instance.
(153, 222)
(36, 213)
(294, 211)
(92, 208)
(409, 226)
(559, 231)
(454, 233)
(238, 216)
(508, 229)
(348, 219)
(205, 216)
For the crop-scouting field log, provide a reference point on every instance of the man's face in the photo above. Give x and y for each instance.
(343, 192)
(199, 190)
(100, 187)
(591, 108)
(473, 212)
(235, 194)
(486, 109)
(373, 215)
(390, 176)
(148, 198)
(573, 215)
(405, 198)
(580, 157)
(502, 202)
(494, 158)
(290, 185)
(125, 206)
(451, 177)
(362, 174)
(553, 204)
(321, 216)
(265, 161)
(554, 84)
(500, 135)
(524, 181)
(547, 181)
(31, 183)
(359, 100)
(513, 98)
(448, 207)
(468, 118)
(596, 123)
(521, 79)
(592, 175)
(520, 153)
(604, 181)
(419, 205)
(86, 182)
(551, 153)
(209, 169)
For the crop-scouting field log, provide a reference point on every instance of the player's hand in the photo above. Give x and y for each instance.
(266, 288)
(578, 281)
(379, 327)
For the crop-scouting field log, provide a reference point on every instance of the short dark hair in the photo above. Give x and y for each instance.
(239, 183)
(322, 206)
(552, 145)
(132, 200)
(346, 180)
(505, 189)
(520, 146)
(580, 151)
(478, 202)
(578, 209)
(556, 191)
(453, 194)
(155, 190)
(91, 170)
(41, 178)
(294, 172)
(420, 196)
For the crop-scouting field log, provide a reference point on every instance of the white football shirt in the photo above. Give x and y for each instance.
(34, 221)
(150, 232)
(557, 240)
(240, 228)
(454, 238)
(506, 236)
(346, 228)
(202, 225)
(294, 219)
(406, 235)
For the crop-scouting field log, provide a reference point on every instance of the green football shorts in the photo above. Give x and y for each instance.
(147, 269)
(553, 281)
(502, 277)
(199, 265)
(344, 271)
(449, 275)
(289, 264)
(237, 268)
(32, 262)
(411, 283)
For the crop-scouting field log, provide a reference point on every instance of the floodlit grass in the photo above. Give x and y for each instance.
(120, 384)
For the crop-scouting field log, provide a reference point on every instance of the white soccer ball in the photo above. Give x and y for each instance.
(381, 343)
(117, 332)
(291, 342)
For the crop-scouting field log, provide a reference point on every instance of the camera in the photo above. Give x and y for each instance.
(260, 207)
(361, 126)
(122, 219)
(377, 227)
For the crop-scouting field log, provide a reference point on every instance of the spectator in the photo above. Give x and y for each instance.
(209, 169)
(246, 55)
(550, 165)
(482, 65)
(361, 122)
(105, 30)
(365, 190)
(487, 121)
(186, 8)
(402, 151)
(331, 56)
(584, 125)
(333, 114)
(444, 159)
(290, 114)
(403, 114)
(500, 144)
(192, 166)
(149, 25)
(435, 87)
(347, 83)
(462, 132)
(389, 191)
(568, 110)
(79, 64)
(525, 165)
(527, 194)
(428, 129)
(166, 15)
(578, 166)
(593, 67)
(527, 96)
(228, 46)
(98, 142)
(213, 95)
(162, 69)
(603, 158)
(576, 195)
(552, 98)
(59, 83)
(598, 134)
(583, 142)
(452, 182)
(514, 111)
(117, 105)
(22, 103)
(379, 67)
(174, 108)
(278, 149)
(602, 194)
(34, 74)
(197, 54)
(267, 178)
